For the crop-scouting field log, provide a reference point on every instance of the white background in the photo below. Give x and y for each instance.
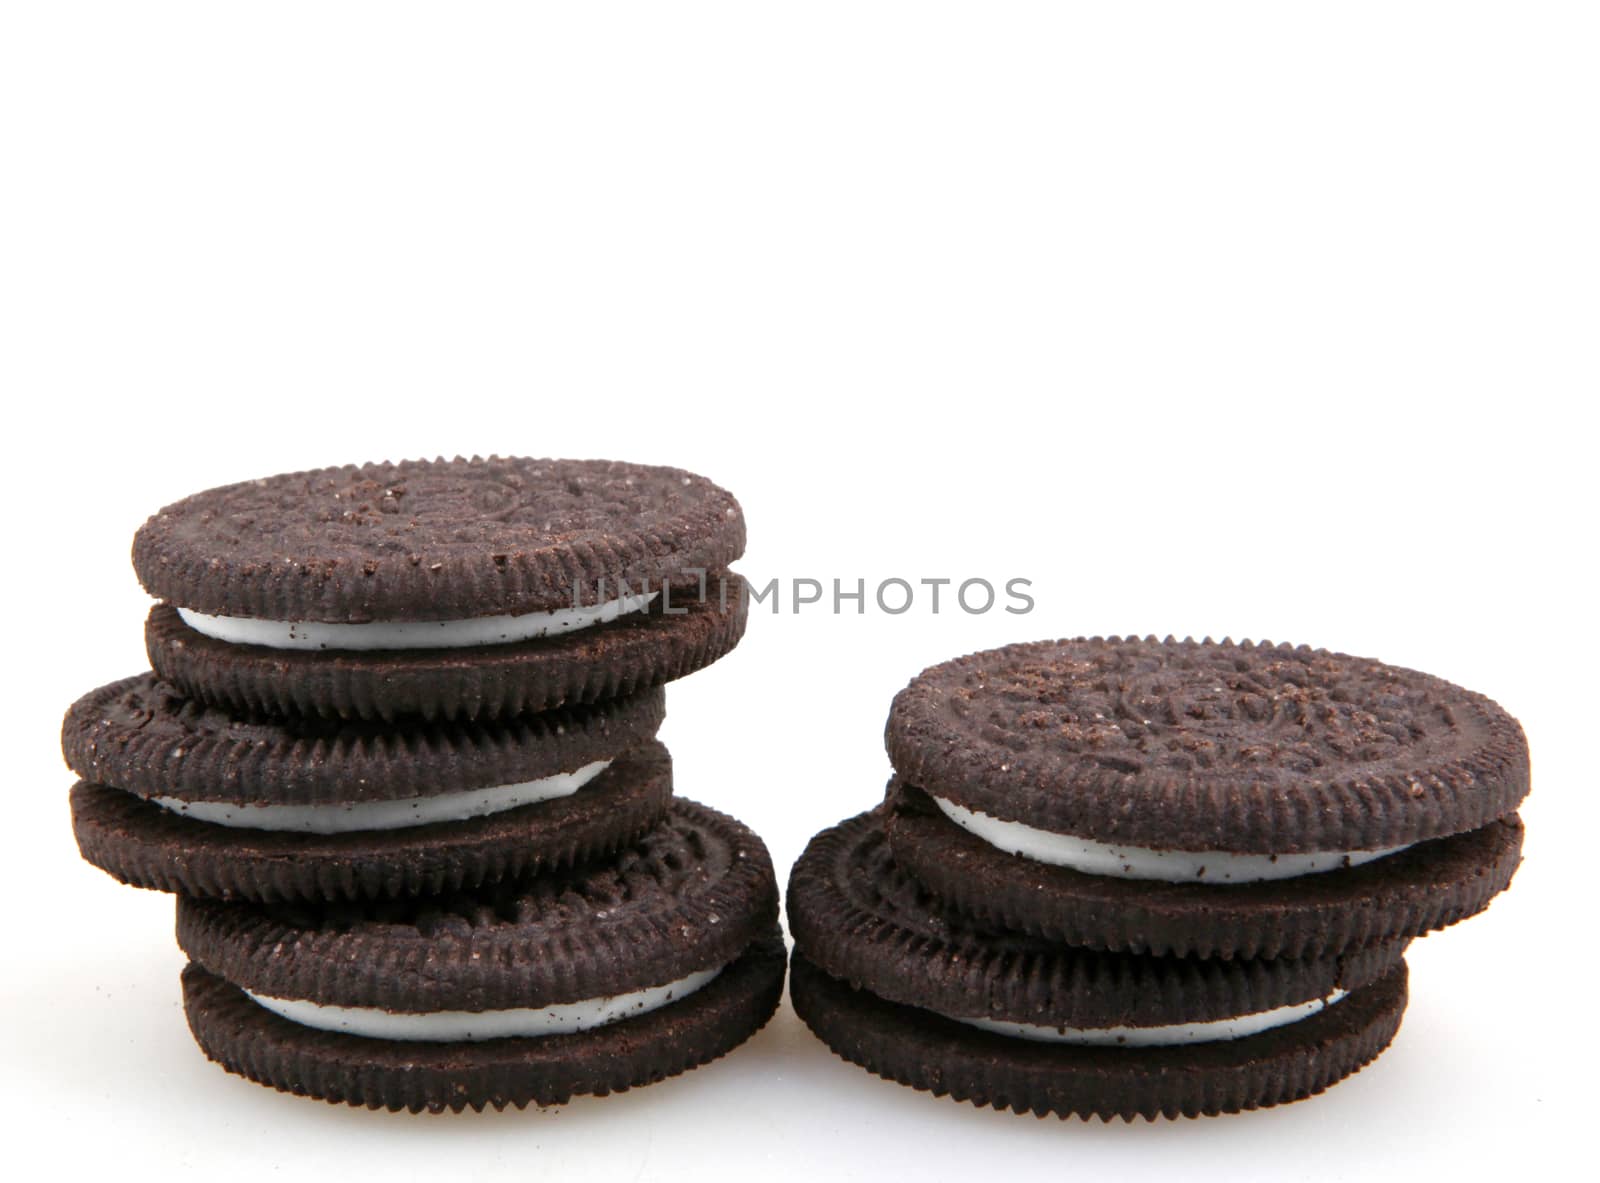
(1261, 320)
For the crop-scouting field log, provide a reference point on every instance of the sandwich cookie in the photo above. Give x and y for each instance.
(894, 982)
(1214, 799)
(183, 797)
(445, 589)
(593, 980)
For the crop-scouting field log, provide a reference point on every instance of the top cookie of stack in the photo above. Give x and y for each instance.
(1205, 799)
(443, 589)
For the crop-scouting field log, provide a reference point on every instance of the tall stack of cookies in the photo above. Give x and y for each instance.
(396, 756)
(1138, 877)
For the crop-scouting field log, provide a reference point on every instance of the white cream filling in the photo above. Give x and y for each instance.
(386, 815)
(457, 1026)
(1239, 1027)
(410, 634)
(1143, 862)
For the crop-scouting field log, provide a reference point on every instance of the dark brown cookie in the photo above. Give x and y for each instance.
(691, 895)
(858, 916)
(1427, 887)
(435, 540)
(926, 1051)
(144, 737)
(590, 980)
(1199, 746)
(251, 1041)
(892, 980)
(145, 845)
(608, 660)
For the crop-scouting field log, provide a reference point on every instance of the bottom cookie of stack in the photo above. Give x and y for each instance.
(590, 981)
(894, 982)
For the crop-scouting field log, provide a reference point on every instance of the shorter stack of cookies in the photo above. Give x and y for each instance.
(397, 759)
(1142, 878)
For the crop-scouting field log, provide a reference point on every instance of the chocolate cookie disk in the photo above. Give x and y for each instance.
(1427, 887)
(1217, 799)
(255, 1043)
(948, 1059)
(448, 589)
(622, 657)
(894, 981)
(431, 540)
(182, 797)
(591, 980)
